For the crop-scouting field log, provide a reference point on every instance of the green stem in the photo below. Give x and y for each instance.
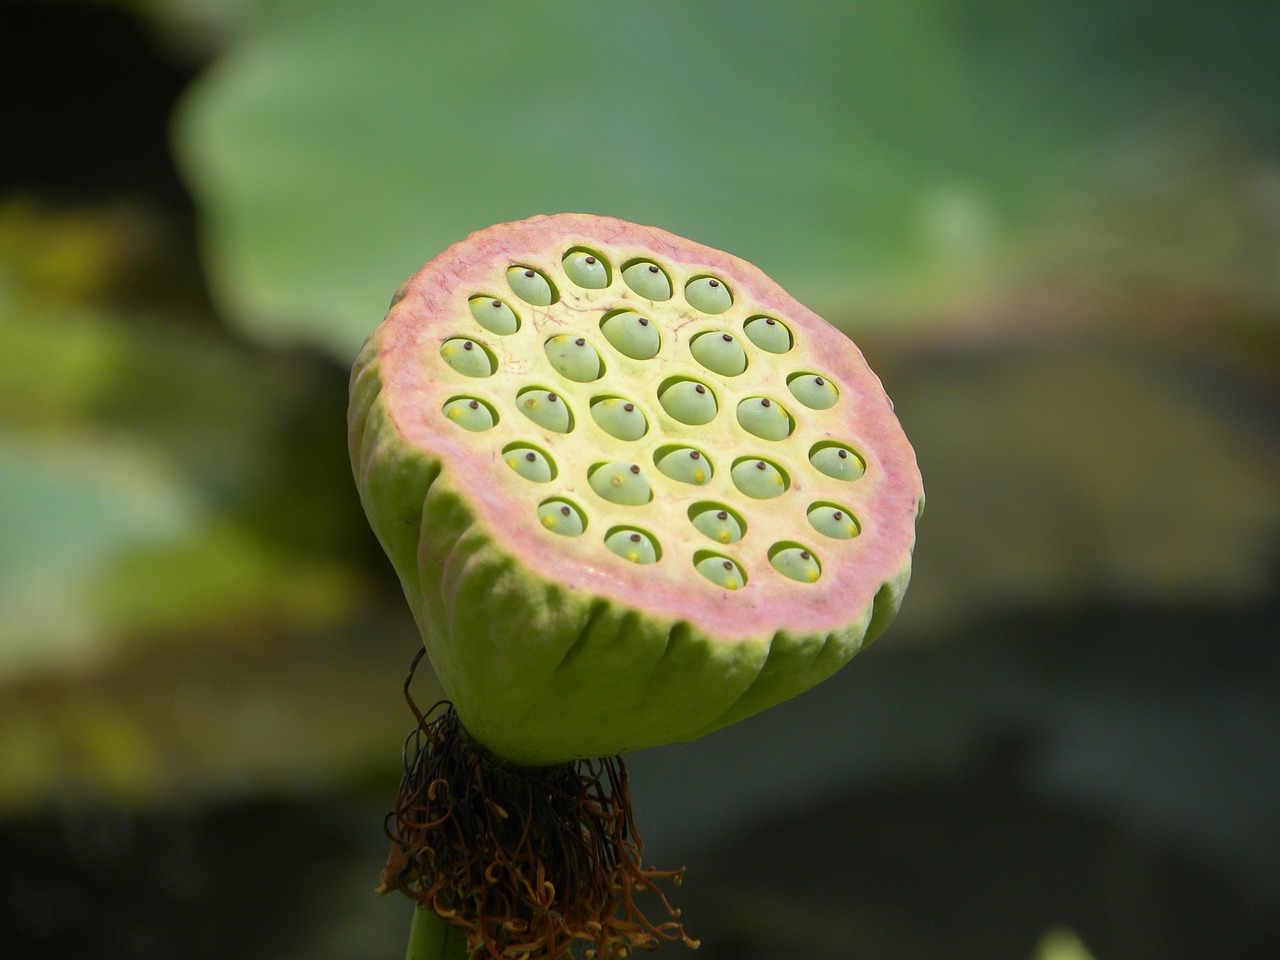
(431, 938)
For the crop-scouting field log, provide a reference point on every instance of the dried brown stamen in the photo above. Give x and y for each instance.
(524, 862)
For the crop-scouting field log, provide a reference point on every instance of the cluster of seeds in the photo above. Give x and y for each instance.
(621, 388)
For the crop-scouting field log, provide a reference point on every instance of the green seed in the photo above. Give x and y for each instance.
(562, 517)
(573, 358)
(797, 563)
(619, 418)
(546, 409)
(758, 479)
(530, 285)
(765, 418)
(467, 357)
(832, 521)
(708, 295)
(768, 334)
(648, 280)
(720, 352)
(632, 335)
(686, 465)
(815, 392)
(721, 571)
(718, 523)
(837, 461)
(620, 482)
(470, 414)
(688, 401)
(586, 270)
(632, 545)
(494, 315)
(529, 463)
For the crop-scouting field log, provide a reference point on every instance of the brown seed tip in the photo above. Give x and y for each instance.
(644, 322)
(837, 515)
(591, 259)
(552, 398)
(580, 342)
(531, 456)
(728, 565)
(529, 274)
(635, 538)
(653, 268)
(843, 454)
(474, 404)
(804, 554)
(468, 345)
(722, 515)
(497, 303)
(770, 321)
(713, 283)
(819, 381)
(764, 402)
(700, 388)
(634, 468)
(628, 407)
(726, 338)
(565, 511)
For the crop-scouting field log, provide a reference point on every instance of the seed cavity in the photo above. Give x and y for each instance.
(795, 561)
(684, 464)
(631, 334)
(759, 479)
(530, 462)
(647, 279)
(834, 521)
(562, 517)
(719, 352)
(719, 569)
(620, 482)
(765, 418)
(531, 285)
(708, 295)
(545, 408)
(586, 268)
(688, 401)
(619, 418)
(837, 461)
(573, 358)
(633, 545)
(470, 413)
(717, 521)
(494, 315)
(769, 334)
(468, 357)
(813, 390)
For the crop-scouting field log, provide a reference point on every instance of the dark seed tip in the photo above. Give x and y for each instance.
(628, 407)
(764, 402)
(837, 515)
(497, 303)
(531, 456)
(552, 398)
(759, 464)
(804, 554)
(591, 259)
(770, 321)
(474, 404)
(713, 283)
(468, 345)
(580, 342)
(653, 268)
(694, 455)
(819, 381)
(635, 538)
(700, 388)
(644, 322)
(529, 274)
(843, 454)
(728, 565)
(565, 511)
(722, 515)
(634, 468)
(727, 338)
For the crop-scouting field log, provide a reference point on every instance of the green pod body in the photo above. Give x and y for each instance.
(554, 647)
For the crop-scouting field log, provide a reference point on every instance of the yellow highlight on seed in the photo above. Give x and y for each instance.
(447, 351)
(777, 481)
(699, 476)
(813, 575)
(724, 536)
(548, 521)
(616, 481)
(731, 584)
(633, 557)
(512, 463)
(454, 414)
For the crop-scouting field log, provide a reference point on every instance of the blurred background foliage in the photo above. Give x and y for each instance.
(1054, 229)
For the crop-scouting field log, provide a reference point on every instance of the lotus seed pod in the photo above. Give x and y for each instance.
(562, 517)
(633, 545)
(720, 352)
(837, 461)
(833, 521)
(764, 418)
(546, 409)
(767, 333)
(708, 295)
(688, 401)
(815, 392)
(586, 270)
(647, 279)
(470, 414)
(622, 483)
(530, 286)
(573, 357)
(467, 357)
(494, 315)
(716, 522)
(549, 643)
(685, 465)
(632, 335)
